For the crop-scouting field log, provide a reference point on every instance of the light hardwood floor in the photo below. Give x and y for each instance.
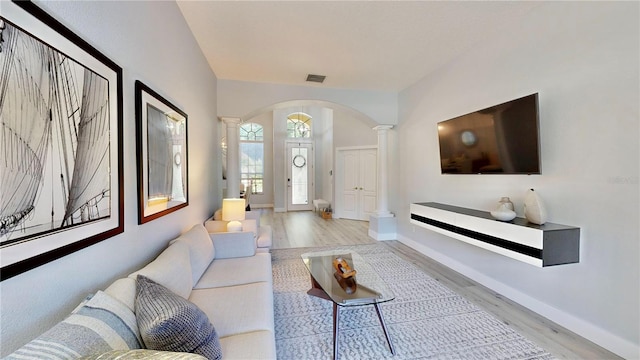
(307, 229)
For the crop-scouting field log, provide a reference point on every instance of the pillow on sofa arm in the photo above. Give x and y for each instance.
(102, 324)
(144, 354)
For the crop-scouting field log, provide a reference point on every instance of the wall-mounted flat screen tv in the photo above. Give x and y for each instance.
(501, 139)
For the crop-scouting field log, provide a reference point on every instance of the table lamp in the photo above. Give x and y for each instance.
(233, 212)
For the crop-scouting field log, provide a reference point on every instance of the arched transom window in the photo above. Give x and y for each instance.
(299, 125)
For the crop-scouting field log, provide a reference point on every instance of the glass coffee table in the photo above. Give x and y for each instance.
(365, 288)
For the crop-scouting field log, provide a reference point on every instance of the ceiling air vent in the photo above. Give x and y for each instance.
(316, 78)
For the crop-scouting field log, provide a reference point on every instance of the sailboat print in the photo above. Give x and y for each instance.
(54, 140)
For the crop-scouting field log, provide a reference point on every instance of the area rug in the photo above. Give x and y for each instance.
(426, 320)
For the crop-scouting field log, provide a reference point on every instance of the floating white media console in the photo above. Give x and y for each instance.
(539, 245)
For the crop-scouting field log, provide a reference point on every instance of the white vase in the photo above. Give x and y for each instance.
(503, 213)
(534, 210)
(506, 200)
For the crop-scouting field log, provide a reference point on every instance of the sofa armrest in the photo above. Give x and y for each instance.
(233, 244)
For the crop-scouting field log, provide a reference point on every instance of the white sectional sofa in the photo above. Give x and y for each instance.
(223, 276)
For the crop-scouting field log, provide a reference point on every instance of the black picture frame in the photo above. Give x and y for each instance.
(88, 216)
(162, 155)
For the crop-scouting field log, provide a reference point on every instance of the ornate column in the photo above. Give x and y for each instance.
(233, 157)
(382, 225)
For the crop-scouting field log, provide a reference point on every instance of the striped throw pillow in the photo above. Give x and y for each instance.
(144, 354)
(100, 325)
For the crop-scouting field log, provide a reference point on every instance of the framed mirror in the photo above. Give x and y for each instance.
(162, 160)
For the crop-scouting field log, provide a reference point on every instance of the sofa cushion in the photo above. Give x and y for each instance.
(246, 270)
(201, 250)
(171, 269)
(263, 346)
(237, 309)
(237, 271)
(123, 289)
(144, 354)
(168, 322)
(101, 324)
(233, 244)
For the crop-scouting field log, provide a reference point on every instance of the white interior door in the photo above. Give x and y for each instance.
(368, 182)
(300, 187)
(356, 182)
(350, 160)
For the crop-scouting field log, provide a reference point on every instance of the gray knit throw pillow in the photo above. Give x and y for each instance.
(168, 322)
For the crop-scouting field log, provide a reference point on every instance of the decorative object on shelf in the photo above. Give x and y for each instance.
(507, 201)
(534, 210)
(504, 212)
(342, 268)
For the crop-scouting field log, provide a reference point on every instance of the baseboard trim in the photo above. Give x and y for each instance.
(607, 340)
(382, 237)
(261, 206)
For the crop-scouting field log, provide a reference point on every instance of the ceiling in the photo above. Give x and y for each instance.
(372, 45)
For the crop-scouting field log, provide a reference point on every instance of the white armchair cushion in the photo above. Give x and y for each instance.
(265, 236)
(201, 250)
(250, 225)
(171, 269)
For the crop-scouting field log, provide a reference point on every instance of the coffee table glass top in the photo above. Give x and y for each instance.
(368, 287)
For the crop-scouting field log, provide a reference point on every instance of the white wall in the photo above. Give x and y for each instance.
(582, 57)
(247, 99)
(348, 131)
(152, 43)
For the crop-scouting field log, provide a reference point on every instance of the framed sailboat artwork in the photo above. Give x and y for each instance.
(161, 130)
(61, 173)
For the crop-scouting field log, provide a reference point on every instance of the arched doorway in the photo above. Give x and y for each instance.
(332, 125)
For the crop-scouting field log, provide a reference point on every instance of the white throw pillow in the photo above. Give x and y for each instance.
(201, 250)
(171, 269)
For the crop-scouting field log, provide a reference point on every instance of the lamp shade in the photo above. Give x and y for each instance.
(233, 211)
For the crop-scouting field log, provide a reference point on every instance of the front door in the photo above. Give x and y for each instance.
(300, 188)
